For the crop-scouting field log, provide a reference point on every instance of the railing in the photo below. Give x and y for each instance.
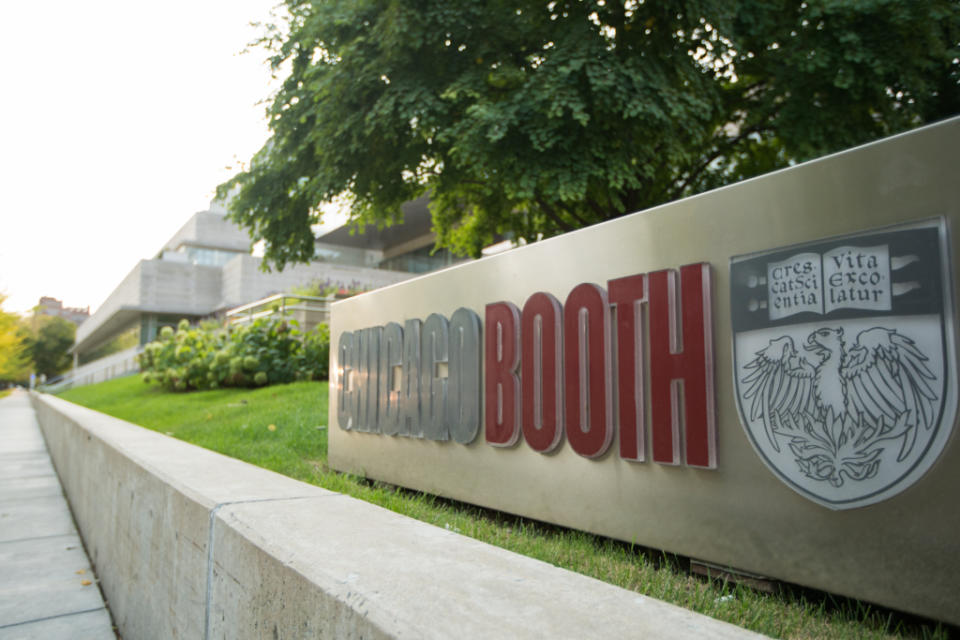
(113, 366)
(308, 311)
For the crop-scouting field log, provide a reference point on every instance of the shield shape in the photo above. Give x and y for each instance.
(845, 362)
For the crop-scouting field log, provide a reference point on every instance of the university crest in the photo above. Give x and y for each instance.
(845, 362)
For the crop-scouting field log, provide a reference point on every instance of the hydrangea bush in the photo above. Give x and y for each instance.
(268, 351)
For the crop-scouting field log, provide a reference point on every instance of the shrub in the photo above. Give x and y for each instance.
(316, 353)
(268, 351)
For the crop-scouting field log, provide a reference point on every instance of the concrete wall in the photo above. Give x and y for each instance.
(161, 286)
(175, 287)
(210, 229)
(178, 288)
(127, 294)
(191, 544)
(243, 280)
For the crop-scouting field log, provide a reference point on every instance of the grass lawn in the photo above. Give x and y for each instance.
(5, 392)
(284, 428)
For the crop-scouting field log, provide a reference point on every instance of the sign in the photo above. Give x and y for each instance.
(422, 380)
(762, 377)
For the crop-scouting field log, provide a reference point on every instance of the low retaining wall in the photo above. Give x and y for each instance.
(191, 544)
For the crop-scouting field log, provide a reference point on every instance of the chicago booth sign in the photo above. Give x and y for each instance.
(763, 377)
(550, 371)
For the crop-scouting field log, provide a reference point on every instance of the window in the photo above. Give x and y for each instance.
(420, 260)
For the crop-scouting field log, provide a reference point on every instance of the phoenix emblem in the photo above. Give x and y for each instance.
(839, 405)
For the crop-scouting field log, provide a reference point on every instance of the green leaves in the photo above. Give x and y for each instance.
(268, 351)
(50, 343)
(531, 119)
(14, 347)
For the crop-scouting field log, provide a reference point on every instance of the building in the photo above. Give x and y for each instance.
(52, 307)
(208, 267)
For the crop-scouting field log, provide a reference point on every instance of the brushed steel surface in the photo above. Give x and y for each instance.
(903, 552)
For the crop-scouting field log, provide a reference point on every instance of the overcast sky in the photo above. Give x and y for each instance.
(118, 119)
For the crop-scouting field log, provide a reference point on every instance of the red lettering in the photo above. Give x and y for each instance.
(588, 390)
(502, 353)
(540, 379)
(681, 364)
(627, 294)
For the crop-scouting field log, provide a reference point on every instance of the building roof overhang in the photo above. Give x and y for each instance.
(122, 319)
(417, 222)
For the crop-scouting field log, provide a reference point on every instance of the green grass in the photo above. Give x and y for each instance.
(5, 392)
(238, 423)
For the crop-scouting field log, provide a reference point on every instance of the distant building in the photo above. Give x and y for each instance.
(207, 267)
(52, 307)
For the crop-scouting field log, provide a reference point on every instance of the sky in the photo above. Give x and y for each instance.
(118, 119)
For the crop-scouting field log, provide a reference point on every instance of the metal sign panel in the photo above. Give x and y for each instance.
(762, 377)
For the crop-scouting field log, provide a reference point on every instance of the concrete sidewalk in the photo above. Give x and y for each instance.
(47, 587)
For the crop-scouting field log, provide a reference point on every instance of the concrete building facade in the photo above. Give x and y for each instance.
(52, 307)
(208, 267)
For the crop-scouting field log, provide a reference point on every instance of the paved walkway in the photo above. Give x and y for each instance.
(47, 588)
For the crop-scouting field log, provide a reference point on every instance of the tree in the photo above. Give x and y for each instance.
(14, 359)
(534, 118)
(49, 346)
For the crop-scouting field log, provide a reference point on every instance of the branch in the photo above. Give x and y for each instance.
(619, 11)
(749, 92)
(630, 201)
(573, 214)
(600, 211)
(719, 151)
(552, 214)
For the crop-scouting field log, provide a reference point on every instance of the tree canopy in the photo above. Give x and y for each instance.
(50, 344)
(14, 357)
(533, 118)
